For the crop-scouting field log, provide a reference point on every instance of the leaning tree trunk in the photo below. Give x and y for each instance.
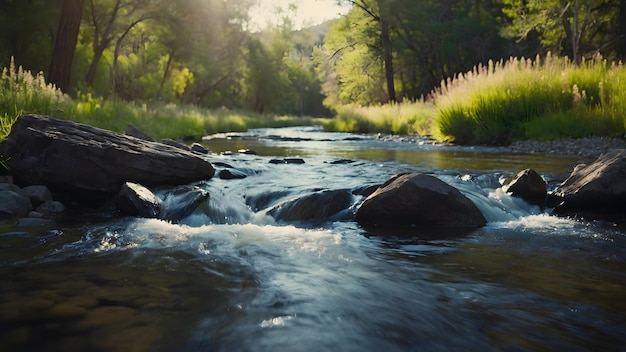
(65, 44)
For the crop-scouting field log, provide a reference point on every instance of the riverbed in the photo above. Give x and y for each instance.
(229, 277)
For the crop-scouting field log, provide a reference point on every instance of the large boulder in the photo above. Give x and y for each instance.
(595, 191)
(529, 186)
(77, 159)
(420, 200)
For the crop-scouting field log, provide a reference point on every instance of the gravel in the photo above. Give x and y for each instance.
(589, 147)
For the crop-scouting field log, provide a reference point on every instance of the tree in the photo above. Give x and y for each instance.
(28, 29)
(112, 21)
(65, 44)
(577, 28)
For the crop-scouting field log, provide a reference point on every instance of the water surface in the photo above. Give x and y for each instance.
(231, 278)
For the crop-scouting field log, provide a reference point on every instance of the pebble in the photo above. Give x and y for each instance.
(590, 146)
(587, 147)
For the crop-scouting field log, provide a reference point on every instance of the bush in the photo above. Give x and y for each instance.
(525, 99)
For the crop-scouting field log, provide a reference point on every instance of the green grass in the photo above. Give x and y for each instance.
(396, 118)
(22, 92)
(532, 99)
(541, 99)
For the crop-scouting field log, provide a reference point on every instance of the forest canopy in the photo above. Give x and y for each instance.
(203, 53)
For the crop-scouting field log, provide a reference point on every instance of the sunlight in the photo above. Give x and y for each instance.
(307, 12)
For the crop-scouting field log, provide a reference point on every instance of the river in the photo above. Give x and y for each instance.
(231, 278)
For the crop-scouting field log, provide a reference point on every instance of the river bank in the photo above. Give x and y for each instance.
(589, 146)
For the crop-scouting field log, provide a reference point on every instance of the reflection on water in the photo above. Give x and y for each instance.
(318, 143)
(231, 278)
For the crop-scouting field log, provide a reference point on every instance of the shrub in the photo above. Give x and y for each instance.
(524, 99)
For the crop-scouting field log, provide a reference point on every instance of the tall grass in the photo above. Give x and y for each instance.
(397, 118)
(22, 92)
(541, 99)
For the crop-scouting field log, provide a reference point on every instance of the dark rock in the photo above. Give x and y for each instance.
(231, 174)
(596, 191)
(199, 148)
(134, 131)
(90, 164)
(365, 191)
(50, 207)
(135, 199)
(341, 162)
(222, 164)
(37, 194)
(264, 200)
(175, 144)
(287, 161)
(313, 207)
(13, 203)
(181, 202)
(529, 186)
(420, 200)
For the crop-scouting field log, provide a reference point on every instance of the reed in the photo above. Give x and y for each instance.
(541, 99)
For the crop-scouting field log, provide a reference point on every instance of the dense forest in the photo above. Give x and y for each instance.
(202, 52)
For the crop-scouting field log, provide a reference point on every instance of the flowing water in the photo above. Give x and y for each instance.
(231, 278)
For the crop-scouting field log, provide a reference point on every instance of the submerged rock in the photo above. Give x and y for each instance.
(231, 174)
(181, 202)
(416, 199)
(88, 164)
(595, 191)
(529, 186)
(313, 207)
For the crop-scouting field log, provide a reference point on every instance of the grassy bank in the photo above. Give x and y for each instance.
(541, 99)
(22, 92)
(396, 118)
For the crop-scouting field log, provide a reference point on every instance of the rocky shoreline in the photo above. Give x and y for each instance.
(588, 147)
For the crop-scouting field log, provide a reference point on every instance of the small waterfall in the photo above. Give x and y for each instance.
(495, 204)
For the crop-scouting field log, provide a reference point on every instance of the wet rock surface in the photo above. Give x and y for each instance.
(82, 161)
(594, 191)
(415, 199)
(530, 186)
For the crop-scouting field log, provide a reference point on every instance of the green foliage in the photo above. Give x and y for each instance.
(525, 99)
(21, 92)
(573, 28)
(396, 118)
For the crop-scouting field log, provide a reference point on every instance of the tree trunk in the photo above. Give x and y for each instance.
(65, 44)
(100, 44)
(388, 57)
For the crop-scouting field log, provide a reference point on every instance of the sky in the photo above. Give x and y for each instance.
(310, 12)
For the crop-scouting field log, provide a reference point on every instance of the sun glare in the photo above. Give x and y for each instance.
(308, 12)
